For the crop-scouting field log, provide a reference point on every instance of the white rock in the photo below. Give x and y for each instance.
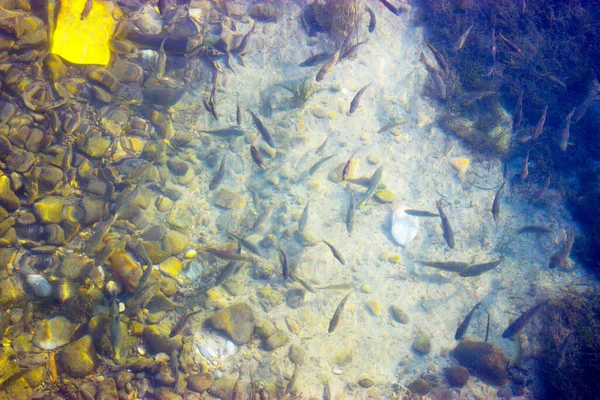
(404, 227)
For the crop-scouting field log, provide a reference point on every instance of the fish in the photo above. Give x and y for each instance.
(561, 258)
(510, 44)
(216, 180)
(520, 322)
(373, 184)
(462, 328)
(563, 350)
(463, 39)
(390, 7)
(211, 107)
(538, 194)
(487, 327)
(174, 364)
(116, 333)
(87, 8)
(316, 59)
(239, 118)
(303, 221)
(446, 227)
(92, 244)
(534, 229)
(471, 97)
(539, 127)
(525, 170)
(496, 203)
(564, 133)
(237, 392)
(292, 382)
(262, 129)
(228, 255)
(225, 272)
(304, 284)
(338, 312)
(285, 269)
(338, 286)
(478, 269)
(372, 19)
(441, 60)
(518, 117)
(318, 164)
(145, 276)
(388, 127)
(350, 212)
(328, 65)
(256, 157)
(351, 51)
(262, 217)
(248, 245)
(421, 213)
(438, 82)
(326, 390)
(581, 109)
(4, 321)
(241, 49)
(356, 100)
(161, 60)
(493, 47)
(335, 252)
(182, 322)
(233, 131)
(320, 149)
(450, 266)
(346, 170)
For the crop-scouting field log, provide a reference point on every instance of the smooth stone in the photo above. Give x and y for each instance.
(175, 242)
(366, 383)
(53, 333)
(107, 390)
(200, 382)
(484, 359)
(265, 328)
(404, 227)
(422, 344)
(276, 340)
(457, 376)
(177, 167)
(8, 199)
(399, 315)
(419, 386)
(78, 359)
(48, 210)
(236, 321)
(228, 199)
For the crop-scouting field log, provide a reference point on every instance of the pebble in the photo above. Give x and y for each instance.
(422, 344)
(276, 341)
(399, 315)
(236, 321)
(366, 383)
(337, 371)
(374, 306)
(419, 386)
(191, 254)
(404, 227)
(200, 382)
(457, 376)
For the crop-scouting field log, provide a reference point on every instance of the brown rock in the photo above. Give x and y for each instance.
(484, 359)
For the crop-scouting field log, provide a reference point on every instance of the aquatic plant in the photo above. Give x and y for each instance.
(301, 91)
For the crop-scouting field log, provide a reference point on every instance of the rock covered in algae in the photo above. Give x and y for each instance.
(158, 340)
(276, 340)
(457, 375)
(11, 291)
(53, 333)
(8, 199)
(78, 359)
(399, 315)
(484, 359)
(236, 321)
(419, 386)
(200, 382)
(422, 344)
(107, 390)
(227, 199)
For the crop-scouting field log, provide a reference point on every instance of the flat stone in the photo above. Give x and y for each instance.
(227, 199)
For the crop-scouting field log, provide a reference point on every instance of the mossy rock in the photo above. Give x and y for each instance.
(78, 359)
(484, 359)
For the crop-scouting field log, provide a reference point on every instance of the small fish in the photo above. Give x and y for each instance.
(236, 392)
(116, 333)
(463, 39)
(292, 382)
(182, 322)
(471, 97)
(4, 321)
(320, 149)
(494, 46)
(450, 266)
(462, 328)
(216, 180)
(234, 131)
(285, 269)
(372, 19)
(534, 229)
(510, 44)
(92, 244)
(539, 127)
(390, 7)
(303, 221)
(248, 245)
(441, 60)
(174, 364)
(564, 133)
(338, 286)
(518, 117)
(262, 129)
(304, 284)
(438, 82)
(446, 227)
(582, 108)
(326, 390)
(211, 107)
(350, 212)
(538, 194)
(561, 258)
(563, 350)
(228, 255)
(256, 157)
(87, 8)
(262, 217)
(346, 170)
(161, 60)
(239, 119)
(145, 276)
(478, 269)
(520, 322)
(318, 164)
(328, 66)
(335, 252)
(388, 127)
(243, 46)
(317, 59)
(356, 100)
(351, 51)
(487, 327)
(496, 203)
(373, 184)
(338, 313)
(525, 170)
(421, 213)
(225, 272)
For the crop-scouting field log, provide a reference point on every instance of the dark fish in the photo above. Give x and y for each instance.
(373, 184)
(317, 59)
(335, 252)
(390, 7)
(564, 133)
(463, 39)
(518, 117)
(326, 390)
(539, 127)
(303, 221)
(292, 382)
(161, 60)
(225, 273)
(174, 364)
(228, 255)
(561, 258)
(304, 284)
(446, 227)
(116, 333)
(439, 58)
(285, 269)
(248, 245)
(356, 100)
(496, 203)
(182, 322)
(450, 266)
(211, 107)
(462, 328)
(421, 213)
(237, 392)
(226, 132)
(350, 212)
(487, 328)
(510, 44)
(346, 170)
(563, 350)
(87, 8)
(328, 66)
(318, 164)
(438, 82)
(478, 269)
(145, 276)
(388, 127)
(525, 169)
(92, 244)
(4, 321)
(581, 109)
(372, 19)
(351, 51)
(534, 229)
(262, 129)
(520, 322)
(338, 312)
(216, 180)
(238, 114)
(538, 194)
(256, 157)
